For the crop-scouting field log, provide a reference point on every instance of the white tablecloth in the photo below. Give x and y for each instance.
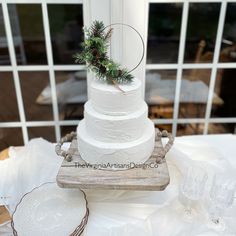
(126, 213)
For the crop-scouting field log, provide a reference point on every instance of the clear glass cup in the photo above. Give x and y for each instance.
(221, 197)
(192, 189)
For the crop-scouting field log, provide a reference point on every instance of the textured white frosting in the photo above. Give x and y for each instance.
(96, 152)
(109, 100)
(115, 129)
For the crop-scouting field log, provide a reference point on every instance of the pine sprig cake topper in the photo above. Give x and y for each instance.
(94, 54)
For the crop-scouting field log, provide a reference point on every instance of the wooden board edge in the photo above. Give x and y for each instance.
(63, 184)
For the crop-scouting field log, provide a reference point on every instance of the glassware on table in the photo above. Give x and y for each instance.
(221, 197)
(192, 189)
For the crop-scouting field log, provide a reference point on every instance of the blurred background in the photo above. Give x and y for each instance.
(189, 68)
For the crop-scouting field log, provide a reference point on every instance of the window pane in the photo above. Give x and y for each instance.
(66, 23)
(67, 129)
(36, 93)
(201, 32)
(221, 128)
(228, 47)
(160, 93)
(71, 94)
(8, 107)
(164, 32)
(28, 33)
(194, 93)
(4, 53)
(10, 137)
(47, 133)
(189, 129)
(225, 94)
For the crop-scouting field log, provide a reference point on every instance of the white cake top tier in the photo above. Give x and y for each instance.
(109, 100)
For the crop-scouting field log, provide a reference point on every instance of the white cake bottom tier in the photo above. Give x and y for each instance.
(95, 152)
(115, 129)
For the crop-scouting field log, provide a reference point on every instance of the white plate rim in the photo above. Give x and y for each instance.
(76, 232)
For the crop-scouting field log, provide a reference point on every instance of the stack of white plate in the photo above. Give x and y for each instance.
(51, 211)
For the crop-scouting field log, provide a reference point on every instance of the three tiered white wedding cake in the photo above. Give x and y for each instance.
(116, 129)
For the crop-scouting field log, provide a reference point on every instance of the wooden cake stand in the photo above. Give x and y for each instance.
(153, 175)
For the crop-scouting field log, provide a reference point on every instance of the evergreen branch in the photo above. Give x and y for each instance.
(94, 54)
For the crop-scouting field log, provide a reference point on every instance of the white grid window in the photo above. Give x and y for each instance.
(191, 38)
(37, 41)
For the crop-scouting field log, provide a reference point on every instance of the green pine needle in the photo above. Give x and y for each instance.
(94, 54)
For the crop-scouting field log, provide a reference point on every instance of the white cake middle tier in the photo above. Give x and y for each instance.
(115, 129)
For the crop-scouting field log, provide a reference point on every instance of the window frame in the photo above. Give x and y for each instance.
(51, 68)
(180, 66)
